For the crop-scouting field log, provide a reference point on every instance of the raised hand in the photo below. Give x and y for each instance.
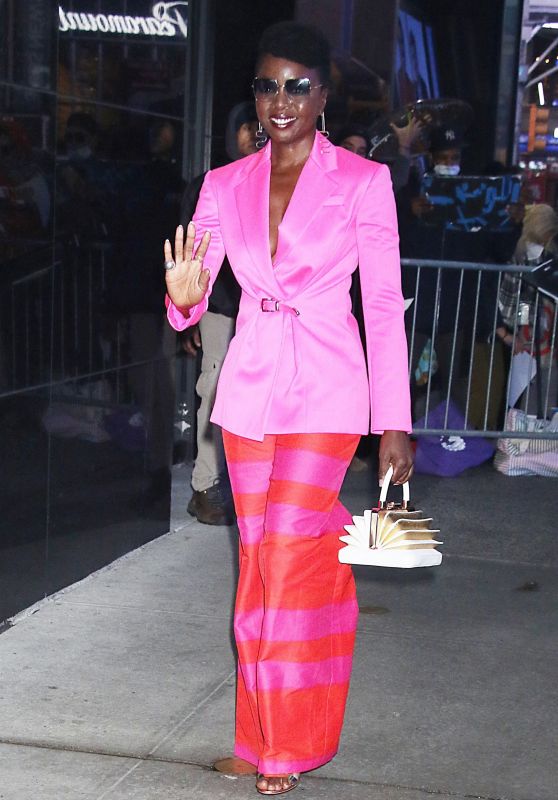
(408, 135)
(187, 281)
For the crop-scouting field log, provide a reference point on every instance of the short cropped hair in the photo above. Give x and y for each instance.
(353, 129)
(297, 42)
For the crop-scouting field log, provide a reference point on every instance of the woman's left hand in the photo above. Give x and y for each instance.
(395, 449)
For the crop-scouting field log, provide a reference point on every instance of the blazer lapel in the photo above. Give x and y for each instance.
(315, 184)
(252, 203)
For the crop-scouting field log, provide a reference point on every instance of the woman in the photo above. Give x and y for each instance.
(293, 395)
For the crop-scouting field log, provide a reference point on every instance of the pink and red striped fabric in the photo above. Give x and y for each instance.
(296, 610)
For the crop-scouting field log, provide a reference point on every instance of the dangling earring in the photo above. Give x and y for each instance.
(261, 136)
(323, 126)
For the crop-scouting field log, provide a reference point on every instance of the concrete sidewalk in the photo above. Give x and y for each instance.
(122, 686)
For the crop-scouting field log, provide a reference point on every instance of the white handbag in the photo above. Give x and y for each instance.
(391, 535)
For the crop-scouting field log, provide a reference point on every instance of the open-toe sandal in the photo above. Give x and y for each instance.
(293, 779)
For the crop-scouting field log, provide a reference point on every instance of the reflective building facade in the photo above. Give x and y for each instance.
(93, 99)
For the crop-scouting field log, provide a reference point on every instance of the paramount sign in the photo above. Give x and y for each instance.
(167, 19)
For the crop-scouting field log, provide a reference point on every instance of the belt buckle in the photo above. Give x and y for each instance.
(266, 300)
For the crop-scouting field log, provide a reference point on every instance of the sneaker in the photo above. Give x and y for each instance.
(212, 506)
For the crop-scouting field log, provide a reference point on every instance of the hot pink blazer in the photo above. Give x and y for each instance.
(296, 363)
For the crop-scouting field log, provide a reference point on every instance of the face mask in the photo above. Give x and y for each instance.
(80, 153)
(447, 170)
(534, 251)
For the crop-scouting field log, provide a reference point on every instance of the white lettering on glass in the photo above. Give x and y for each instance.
(169, 13)
(167, 19)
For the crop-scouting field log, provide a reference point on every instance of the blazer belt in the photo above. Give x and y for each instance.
(270, 304)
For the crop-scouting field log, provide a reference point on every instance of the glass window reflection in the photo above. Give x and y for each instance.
(91, 141)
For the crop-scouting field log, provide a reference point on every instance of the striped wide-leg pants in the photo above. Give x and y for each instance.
(296, 609)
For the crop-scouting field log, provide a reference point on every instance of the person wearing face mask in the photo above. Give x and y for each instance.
(446, 155)
(445, 150)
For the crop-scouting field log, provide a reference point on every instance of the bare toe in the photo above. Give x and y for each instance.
(276, 784)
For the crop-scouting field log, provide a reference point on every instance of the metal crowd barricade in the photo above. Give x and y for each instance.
(471, 345)
(54, 339)
(61, 340)
(51, 309)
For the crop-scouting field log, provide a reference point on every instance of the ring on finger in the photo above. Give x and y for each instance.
(170, 264)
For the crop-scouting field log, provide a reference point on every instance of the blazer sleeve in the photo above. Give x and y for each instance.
(205, 218)
(383, 307)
